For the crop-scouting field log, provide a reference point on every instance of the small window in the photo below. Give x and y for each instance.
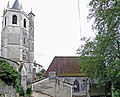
(24, 23)
(76, 86)
(24, 56)
(5, 21)
(24, 53)
(14, 19)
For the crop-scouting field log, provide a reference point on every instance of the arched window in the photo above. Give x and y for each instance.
(24, 24)
(76, 86)
(5, 21)
(14, 19)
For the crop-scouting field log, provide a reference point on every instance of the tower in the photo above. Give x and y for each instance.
(17, 35)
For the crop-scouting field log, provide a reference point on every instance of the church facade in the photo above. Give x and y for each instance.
(17, 36)
(67, 69)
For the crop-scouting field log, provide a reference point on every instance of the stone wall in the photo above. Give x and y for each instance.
(52, 88)
(7, 91)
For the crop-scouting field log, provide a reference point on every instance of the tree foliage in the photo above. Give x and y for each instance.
(100, 57)
(41, 73)
(10, 76)
(7, 73)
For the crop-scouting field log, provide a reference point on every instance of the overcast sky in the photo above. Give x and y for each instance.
(58, 28)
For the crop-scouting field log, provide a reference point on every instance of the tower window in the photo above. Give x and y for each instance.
(24, 23)
(24, 53)
(5, 21)
(14, 19)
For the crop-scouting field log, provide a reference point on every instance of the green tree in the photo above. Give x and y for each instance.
(100, 57)
(41, 73)
(10, 76)
(7, 73)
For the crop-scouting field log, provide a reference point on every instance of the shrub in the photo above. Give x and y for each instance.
(7, 73)
(29, 90)
(21, 91)
(117, 93)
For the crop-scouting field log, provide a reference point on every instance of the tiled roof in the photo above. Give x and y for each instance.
(65, 65)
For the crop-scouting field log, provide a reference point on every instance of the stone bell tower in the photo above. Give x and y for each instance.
(17, 35)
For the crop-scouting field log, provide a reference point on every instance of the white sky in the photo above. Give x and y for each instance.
(57, 26)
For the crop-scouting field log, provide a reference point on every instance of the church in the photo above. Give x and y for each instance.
(17, 37)
(17, 46)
